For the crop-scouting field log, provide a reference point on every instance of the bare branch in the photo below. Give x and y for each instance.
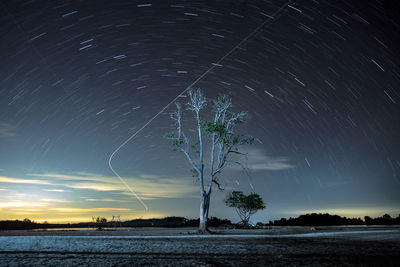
(190, 159)
(181, 138)
(197, 100)
(237, 163)
(238, 152)
(215, 181)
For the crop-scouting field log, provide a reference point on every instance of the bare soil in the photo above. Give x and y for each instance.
(181, 247)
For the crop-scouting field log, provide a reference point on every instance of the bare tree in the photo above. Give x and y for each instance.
(223, 142)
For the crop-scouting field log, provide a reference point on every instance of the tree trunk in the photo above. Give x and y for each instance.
(246, 223)
(204, 207)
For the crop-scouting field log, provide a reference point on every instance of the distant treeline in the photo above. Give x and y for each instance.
(314, 219)
(164, 222)
(174, 222)
(319, 219)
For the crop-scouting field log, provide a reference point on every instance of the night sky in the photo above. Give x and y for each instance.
(320, 81)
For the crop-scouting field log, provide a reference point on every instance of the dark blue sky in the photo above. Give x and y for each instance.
(320, 82)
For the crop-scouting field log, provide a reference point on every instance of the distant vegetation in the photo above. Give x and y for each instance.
(319, 219)
(102, 223)
(313, 219)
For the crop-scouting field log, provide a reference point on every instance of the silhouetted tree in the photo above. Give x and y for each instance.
(315, 219)
(386, 216)
(245, 205)
(368, 220)
(101, 221)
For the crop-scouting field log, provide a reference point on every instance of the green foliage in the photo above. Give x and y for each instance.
(220, 102)
(227, 138)
(194, 173)
(244, 205)
(214, 127)
(175, 142)
(250, 202)
(195, 146)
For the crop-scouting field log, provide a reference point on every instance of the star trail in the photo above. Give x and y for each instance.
(320, 81)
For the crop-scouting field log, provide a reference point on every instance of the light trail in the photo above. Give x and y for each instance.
(214, 65)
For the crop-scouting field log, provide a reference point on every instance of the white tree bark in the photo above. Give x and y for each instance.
(223, 143)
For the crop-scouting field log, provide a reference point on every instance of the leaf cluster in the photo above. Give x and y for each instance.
(248, 204)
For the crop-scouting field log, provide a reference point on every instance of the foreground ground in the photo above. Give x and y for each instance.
(362, 246)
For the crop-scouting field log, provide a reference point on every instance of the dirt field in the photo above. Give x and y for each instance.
(362, 246)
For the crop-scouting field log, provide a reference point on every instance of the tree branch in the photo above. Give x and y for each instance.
(215, 181)
(181, 137)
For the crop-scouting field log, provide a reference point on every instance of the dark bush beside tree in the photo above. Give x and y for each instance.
(245, 205)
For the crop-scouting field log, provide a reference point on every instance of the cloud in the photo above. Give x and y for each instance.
(23, 208)
(82, 210)
(82, 217)
(50, 206)
(56, 190)
(18, 204)
(272, 164)
(55, 200)
(78, 176)
(6, 130)
(94, 186)
(146, 186)
(4, 179)
(105, 200)
(91, 194)
(259, 161)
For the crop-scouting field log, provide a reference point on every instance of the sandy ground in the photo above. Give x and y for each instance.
(281, 246)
